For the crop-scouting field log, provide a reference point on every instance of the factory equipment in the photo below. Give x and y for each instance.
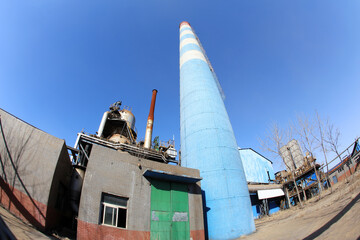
(118, 125)
(117, 131)
(292, 155)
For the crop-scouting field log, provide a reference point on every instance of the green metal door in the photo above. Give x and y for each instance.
(169, 211)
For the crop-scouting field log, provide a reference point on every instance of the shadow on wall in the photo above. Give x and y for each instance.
(12, 170)
(205, 210)
(18, 205)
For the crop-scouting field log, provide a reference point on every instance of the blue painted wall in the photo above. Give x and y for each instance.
(255, 205)
(312, 177)
(255, 202)
(256, 166)
(208, 144)
(273, 206)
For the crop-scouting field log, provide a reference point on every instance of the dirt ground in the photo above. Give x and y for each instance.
(20, 229)
(335, 215)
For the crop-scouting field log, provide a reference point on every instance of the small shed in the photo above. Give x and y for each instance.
(265, 195)
(126, 196)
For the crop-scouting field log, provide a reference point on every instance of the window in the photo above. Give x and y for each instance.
(348, 163)
(340, 169)
(335, 179)
(114, 209)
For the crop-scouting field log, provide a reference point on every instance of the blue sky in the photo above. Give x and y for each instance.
(62, 63)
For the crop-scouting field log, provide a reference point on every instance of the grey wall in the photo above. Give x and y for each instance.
(62, 175)
(118, 173)
(35, 154)
(196, 207)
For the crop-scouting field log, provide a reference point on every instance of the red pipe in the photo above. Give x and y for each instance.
(150, 121)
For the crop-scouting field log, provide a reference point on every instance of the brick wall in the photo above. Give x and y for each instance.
(344, 174)
(94, 231)
(27, 209)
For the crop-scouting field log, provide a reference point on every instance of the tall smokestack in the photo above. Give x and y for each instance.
(150, 121)
(208, 143)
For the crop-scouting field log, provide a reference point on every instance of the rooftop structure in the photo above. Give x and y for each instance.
(258, 169)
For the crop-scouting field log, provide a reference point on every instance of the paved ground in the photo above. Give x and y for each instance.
(21, 230)
(335, 215)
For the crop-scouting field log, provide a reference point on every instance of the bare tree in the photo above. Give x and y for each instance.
(272, 143)
(305, 129)
(274, 139)
(320, 138)
(332, 140)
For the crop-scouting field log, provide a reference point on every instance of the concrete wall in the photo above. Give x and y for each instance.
(37, 157)
(118, 173)
(256, 166)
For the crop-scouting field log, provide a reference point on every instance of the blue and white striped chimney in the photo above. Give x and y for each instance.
(208, 143)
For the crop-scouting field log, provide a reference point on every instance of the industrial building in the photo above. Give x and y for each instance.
(130, 195)
(111, 186)
(302, 177)
(265, 195)
(347, 166)
(35, 173)
(129, 191)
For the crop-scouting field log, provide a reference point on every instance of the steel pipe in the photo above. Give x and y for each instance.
(102, 124)
(150, 121)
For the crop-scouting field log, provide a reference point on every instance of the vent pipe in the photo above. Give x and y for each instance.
(102, 124)
(150, 121)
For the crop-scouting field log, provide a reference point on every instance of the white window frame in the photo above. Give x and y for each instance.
(115, 207)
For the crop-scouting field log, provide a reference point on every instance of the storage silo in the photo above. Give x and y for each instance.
(208, 143)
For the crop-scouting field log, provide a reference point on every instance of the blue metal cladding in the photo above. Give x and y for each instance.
(256, 166)
(255, 204)
(273, 206)
(208, 144)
